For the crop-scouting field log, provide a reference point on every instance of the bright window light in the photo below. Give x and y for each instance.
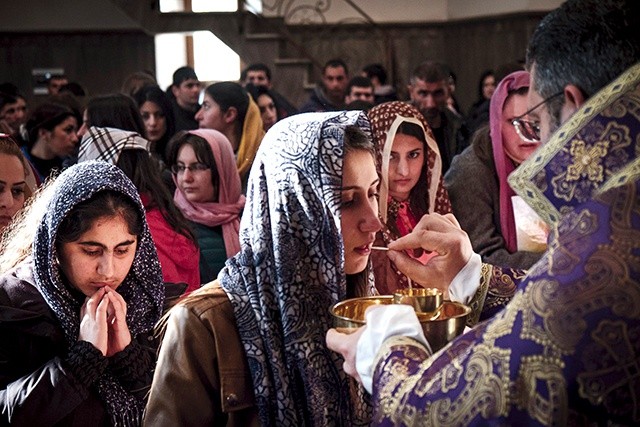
(214, 6)
(171, 54)
(213, 60)
(167, 6)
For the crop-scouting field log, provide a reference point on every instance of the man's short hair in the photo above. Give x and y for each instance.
(335, 63)
(376, 70)
(359, 81)
(182, 74)
(6, 99)
(609, 44)
(430, 72)
(255, 67)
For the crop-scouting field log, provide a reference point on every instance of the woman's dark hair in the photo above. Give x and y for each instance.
(417, 201)
(159, 97)
(483, 76)
(201, 149)
(103, 204)
(356, 139)
(231, 94)
(144, 173)
(116, 111)
(257, 91)
(46, 116)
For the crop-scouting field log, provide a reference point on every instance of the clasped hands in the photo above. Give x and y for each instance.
(103, 322)
(436, 233)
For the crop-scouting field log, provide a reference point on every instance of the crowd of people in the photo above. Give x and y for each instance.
(169, 257)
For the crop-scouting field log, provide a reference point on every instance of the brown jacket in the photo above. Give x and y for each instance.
(202, 376)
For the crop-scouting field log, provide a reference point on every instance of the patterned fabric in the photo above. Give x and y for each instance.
(582, 156)
(142, 289)
(227, 209)
(498, 285)
(290, 271)
(565, 350)
(107, 144)
(385, 120)
(504, 165)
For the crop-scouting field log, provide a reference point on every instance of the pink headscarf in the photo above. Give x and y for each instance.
(226, 211)
(504, 165)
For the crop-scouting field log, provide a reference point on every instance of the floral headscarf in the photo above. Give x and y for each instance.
(142, 289)
(385, 120)
(399, 218)
(226, 211)
(290, 271)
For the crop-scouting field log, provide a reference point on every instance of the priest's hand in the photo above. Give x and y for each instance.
(433, 233)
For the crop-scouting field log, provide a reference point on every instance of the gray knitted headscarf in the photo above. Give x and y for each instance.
(142, 289)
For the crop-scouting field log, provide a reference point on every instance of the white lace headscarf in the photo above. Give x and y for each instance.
(290, 270)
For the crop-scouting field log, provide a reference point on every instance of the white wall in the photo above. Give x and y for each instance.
(97, 15)
(385, 11)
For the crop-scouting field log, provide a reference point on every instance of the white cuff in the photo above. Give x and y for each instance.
(383, 322)
(464, 286)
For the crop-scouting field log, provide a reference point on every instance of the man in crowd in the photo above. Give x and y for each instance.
(259, 74)
(186, 93)
(359, 89)
(382, 91)
(429, 91)
(329, 96)
(13, 114)
(564, 349)
(55, 82)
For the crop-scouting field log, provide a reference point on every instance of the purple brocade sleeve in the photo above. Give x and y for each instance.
(497, 286)
(564, 351)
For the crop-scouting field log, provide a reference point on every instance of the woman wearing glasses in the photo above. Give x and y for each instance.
(248, 349)
(172, 236)
(477, 180)
(208, 193)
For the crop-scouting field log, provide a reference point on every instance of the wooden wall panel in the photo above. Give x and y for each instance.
(99, 61)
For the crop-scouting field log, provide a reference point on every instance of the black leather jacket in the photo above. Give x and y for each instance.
(42, 382)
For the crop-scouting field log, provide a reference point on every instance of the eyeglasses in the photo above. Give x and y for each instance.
(527, 130)
(193, 168)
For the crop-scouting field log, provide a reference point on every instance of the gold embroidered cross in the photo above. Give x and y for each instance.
(587, 161)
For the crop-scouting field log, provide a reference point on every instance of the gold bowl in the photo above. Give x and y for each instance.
(445, 324)
(348, 315)
(439, 327)
(423, 300)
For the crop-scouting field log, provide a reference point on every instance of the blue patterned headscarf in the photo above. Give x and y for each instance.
(290, 271)
(142, 289)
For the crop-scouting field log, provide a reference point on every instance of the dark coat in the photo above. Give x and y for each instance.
(42, 381)
(318, 102)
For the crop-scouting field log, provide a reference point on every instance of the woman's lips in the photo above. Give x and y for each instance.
(364, 249)
(101, 284)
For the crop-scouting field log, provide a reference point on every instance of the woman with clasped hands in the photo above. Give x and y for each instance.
(80, 292)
